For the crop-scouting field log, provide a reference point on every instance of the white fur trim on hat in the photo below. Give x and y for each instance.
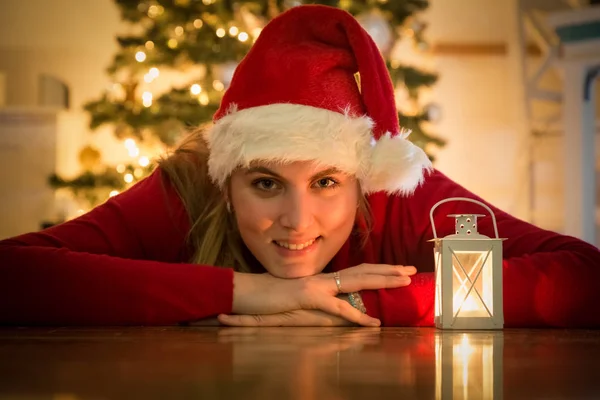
(292, 132)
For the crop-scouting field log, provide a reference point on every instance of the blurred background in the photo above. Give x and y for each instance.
(500, 93)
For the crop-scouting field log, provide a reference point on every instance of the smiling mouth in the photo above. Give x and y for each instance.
(296, 246)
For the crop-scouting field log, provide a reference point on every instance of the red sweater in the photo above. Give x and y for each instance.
(125, 262)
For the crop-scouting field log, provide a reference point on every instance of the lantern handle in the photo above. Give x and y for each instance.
(461, 199)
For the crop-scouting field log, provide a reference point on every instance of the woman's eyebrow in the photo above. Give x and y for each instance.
(267, 171)
(262, 170)
(325, 172)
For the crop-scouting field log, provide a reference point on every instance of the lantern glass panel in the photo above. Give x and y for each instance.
(472, 283)
(438, 280)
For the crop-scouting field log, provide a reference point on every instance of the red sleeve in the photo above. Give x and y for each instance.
(549, 280)
(119, 264)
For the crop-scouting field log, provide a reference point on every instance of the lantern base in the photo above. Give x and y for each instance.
(469, 323)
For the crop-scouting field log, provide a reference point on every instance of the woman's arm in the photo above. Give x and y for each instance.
(119, 264)
(548, 279)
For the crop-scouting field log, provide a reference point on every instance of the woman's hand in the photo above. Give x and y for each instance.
(264, 294)
(289, 318)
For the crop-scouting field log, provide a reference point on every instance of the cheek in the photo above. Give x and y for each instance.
(251, 212)
(338, 213)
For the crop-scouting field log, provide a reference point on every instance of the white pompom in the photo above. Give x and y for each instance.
(397, 166)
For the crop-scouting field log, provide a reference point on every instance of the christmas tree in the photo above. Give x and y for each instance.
(170, 74)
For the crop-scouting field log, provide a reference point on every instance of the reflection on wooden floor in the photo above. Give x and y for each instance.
(296, 363)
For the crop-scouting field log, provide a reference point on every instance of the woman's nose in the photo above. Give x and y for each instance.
(296, 211)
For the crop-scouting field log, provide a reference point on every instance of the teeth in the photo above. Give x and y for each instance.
(292, 246)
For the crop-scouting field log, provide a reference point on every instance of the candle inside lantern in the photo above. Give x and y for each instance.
(472, 287)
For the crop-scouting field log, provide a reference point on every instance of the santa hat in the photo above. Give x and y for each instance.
(315, 87)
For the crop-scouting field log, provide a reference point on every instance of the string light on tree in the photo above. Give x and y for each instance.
(195, 89)
(198, 23)
(149, 44)
(144, 161)
(172, 43)
(220, 32)
(128, 178)
(233, 31)
(113, 193)
(155, 10)
(218, 85)
(140, 56)
(243, 36)
(138, 173)
(147, 99)
(132, 148)
(203, 99)
(152, 74)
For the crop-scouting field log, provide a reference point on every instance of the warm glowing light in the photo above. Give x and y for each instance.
(172, 43)
(243, 36)
(144, 161)
(233, 31)
(147, 99)
(132, 149)
(154, 72)
(472, 284)
(129, 143)
(220, 32)
(195, 89)
(128, 178)
(198, 23)
(154, 11)
(149, 45)
(207, 2)
(133, 152)
(138, 172)
(121, 168)
(179, 30)
(203, 99)
(113, 193)
(140, 56)
(218, 85)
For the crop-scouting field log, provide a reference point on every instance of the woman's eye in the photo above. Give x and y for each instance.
(326, 183)
(265, 184)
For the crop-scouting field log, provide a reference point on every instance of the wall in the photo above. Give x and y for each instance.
(481, 97)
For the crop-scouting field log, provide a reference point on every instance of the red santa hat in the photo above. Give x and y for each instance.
(315, 87)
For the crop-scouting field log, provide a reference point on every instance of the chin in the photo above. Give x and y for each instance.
(293, 272)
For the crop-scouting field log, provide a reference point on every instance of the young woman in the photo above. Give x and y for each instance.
(304, 204)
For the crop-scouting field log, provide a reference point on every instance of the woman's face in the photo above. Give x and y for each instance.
(293, 217)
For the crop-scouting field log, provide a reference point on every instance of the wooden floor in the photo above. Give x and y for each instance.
(297, 363)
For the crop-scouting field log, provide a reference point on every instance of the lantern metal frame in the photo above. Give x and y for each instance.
(446, 254)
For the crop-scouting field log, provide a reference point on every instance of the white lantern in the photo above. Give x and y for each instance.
(468, 274)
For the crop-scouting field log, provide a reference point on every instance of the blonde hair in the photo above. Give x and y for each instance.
(213, 234)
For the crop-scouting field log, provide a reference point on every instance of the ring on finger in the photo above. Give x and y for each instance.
(338, 282)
